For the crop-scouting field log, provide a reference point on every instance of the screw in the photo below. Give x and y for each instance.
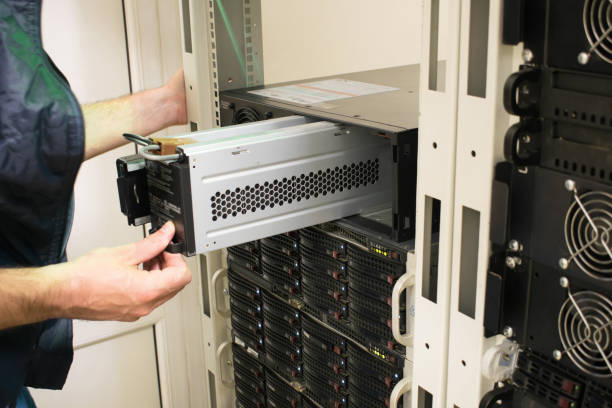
(225, 291)
(570, 185)
(527, 55)
(513, 261)
(510, 263)
(583, 58)
(557, 355)
(564, 282)
(514, 245)
(563, 263)
(508, 331)
(526, 139)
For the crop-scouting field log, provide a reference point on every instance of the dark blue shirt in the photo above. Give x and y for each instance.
(41, 149)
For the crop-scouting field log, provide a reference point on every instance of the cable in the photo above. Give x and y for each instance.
(139, 140)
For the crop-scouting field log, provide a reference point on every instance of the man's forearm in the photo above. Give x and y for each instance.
(29, 295)
(142, 113)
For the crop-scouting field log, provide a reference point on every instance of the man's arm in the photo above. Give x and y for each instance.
(142, 113)
(105, 284)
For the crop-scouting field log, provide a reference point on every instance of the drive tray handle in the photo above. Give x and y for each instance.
(521, 92)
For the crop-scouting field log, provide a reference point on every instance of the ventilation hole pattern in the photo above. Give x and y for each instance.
(348, 234)
(550, 378)
(375, 330)
(322, 334)
(286, 191)
(373, 288)
(585, 329)
(327, 359)
(588, 230)
(279, 388)
(597, 24)
(249, 322)
(243, 298)
(583, 169)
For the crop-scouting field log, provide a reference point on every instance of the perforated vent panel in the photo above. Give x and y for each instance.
(286, 191)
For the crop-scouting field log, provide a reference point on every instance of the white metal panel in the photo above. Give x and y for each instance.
(96, 382)
(260, 185)
(436, 167)
(481, 125)
(202, 108)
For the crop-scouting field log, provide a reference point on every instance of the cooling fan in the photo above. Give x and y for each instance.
(588, 230)
(246, 115)
(585, 330)
(597, 22)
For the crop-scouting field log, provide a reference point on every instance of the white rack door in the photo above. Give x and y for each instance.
(435, 199)
(481, 124)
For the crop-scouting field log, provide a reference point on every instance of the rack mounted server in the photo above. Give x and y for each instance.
(314, 308)
(301, 166)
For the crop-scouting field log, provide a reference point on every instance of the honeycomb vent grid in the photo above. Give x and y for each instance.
(291, 190)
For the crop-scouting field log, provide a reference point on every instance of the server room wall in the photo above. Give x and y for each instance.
(296, 33)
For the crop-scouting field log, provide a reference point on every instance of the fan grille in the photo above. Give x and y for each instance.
(588, 230)
(585, 329)
(597, 21)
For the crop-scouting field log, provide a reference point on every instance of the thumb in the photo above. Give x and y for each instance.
(153, 245)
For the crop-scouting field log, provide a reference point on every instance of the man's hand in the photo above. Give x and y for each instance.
(107, 284)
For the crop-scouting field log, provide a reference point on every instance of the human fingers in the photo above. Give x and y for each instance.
(169, 279)
(167, 260)
(152, 245)
(156, 263)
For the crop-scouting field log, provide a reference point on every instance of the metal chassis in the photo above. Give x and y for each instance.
(459, 143)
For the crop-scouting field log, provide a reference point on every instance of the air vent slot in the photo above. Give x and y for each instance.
(295, 188)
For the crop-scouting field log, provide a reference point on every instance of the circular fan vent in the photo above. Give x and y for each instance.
(597, 21)
(585, 329)
(246, 115)
(588, 234)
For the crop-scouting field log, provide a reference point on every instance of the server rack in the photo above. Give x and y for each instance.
(471, 141)
(214, 75)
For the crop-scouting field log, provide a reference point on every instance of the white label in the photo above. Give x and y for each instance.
(322, 91)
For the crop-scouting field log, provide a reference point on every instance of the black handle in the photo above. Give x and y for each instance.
(525, 104)
(522, 143)
(175, 247)
(502, 394)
